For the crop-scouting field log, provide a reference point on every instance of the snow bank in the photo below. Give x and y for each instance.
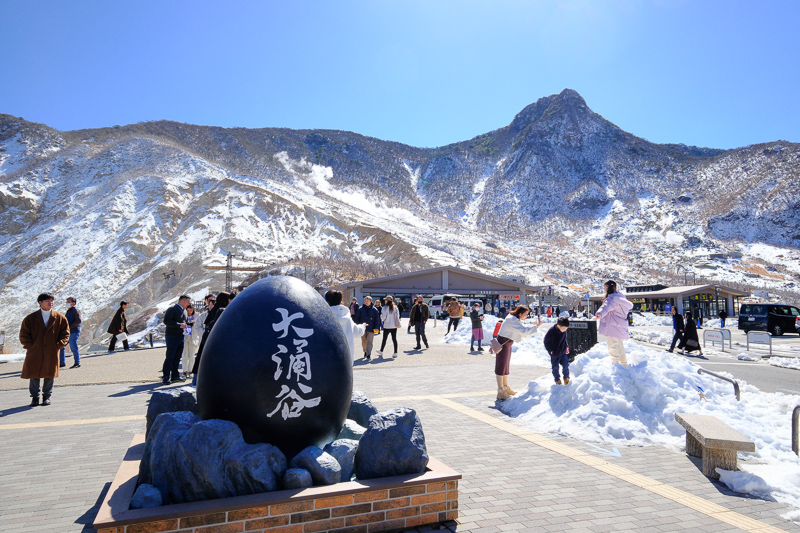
(652, 336)
(649, 319)
(636, 406)
(785, 362)
(12, 357)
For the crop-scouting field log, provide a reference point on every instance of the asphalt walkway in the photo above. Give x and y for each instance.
(58, 461)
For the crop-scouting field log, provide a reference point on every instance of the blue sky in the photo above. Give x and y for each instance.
(710, 73)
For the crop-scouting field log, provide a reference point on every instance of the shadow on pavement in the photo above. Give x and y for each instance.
(87, 518)
(374, 360)
(136, 389)
(15, 410)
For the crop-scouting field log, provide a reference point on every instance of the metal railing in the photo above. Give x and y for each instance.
(729, 380)
(795, 439)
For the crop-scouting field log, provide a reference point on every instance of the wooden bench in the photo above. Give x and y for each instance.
(714, 441)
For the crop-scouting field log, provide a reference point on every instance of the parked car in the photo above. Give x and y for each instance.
(437, 305)
(775, 318)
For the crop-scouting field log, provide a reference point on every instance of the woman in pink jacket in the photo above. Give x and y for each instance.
(613, 317)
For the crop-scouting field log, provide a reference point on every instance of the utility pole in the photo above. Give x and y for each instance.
(229, 273)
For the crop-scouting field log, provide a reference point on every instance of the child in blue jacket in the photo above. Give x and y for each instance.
(555, 342)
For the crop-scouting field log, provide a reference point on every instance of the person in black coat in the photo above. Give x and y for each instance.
(722, 316)
(690, 341)
(223, 299)
(555, 342)
(119, 324)
(369, 315)
(677, 326)
(175, 322)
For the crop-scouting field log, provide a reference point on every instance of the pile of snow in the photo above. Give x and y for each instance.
(649, 319)
(12, 357)
(785, 362)
(747, 357)
(636, 406)
(652, 336)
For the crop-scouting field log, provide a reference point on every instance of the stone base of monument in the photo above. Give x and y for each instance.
(384, 504)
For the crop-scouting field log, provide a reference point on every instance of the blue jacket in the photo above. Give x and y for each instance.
(555, 342)
(369, 316)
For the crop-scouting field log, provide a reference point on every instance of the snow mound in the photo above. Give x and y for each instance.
(636, 406)
(746, 357)
(652, 336)
(785, 362)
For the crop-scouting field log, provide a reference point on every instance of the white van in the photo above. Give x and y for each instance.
(437, 305)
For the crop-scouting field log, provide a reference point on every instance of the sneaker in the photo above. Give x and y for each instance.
(669, 351)
(76, 365)
(111, 351)
(480, 349)
(379, 352)
(417, 347)
(179, 380)
(34, 401)
(62, 366)
(394, 356)
(558, 382)
(566, 381)
(46, 400)
(165, 382)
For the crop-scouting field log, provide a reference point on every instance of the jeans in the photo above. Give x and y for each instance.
(562, 360)
(34, 387)
(73, 346)
(173, 358)
(721, 323)
(419, 330)
(675, 338)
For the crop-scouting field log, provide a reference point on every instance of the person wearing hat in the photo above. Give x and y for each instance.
(42, 333)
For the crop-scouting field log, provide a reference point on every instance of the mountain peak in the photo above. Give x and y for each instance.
(567, 102)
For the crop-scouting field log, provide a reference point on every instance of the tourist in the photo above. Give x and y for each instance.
(677, 327)
(350, 328)
(42, 334)
(73, 315)
(391, 321)
(221, 302)
(369, 315)
(476, 317)
(699, 316)
(555, 342)
(189, 347)
(419, 315)
(455, 310)
(690, 341)
(175, 322)
(613, 321)
(512, 330)
(119, 328)
(353, 309)
(723, 314)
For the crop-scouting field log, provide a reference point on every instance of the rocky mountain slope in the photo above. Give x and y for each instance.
(560, 194)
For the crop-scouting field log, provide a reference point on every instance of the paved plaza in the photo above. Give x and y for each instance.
(58, 461)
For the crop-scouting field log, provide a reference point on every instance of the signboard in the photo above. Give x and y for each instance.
(713, 336)
(549, 299)
(509, 296)
(668, 308)
(759, 337)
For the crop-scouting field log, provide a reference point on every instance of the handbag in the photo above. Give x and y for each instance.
(496, 345)
(691, 343)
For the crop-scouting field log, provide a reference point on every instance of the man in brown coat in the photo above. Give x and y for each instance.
(43, 333)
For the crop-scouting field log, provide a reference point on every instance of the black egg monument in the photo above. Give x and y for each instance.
(277, 364)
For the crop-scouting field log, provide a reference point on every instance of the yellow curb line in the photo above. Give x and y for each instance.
(82, 422)
(656, 487)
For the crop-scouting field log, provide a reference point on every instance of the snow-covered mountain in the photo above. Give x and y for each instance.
(559, 194)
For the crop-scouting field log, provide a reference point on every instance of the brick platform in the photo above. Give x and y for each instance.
(385, 504)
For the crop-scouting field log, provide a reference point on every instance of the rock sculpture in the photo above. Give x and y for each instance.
(392, 445)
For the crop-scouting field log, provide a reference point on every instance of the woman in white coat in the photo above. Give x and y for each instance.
(613, 317)
(512, 330)
(352, 331)
(390, 315)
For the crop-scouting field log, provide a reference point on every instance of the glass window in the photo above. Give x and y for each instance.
(795, 311)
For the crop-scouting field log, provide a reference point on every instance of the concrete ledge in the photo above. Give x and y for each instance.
(384, 504)
(714, 441)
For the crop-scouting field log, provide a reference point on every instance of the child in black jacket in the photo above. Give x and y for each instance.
(555, 342)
